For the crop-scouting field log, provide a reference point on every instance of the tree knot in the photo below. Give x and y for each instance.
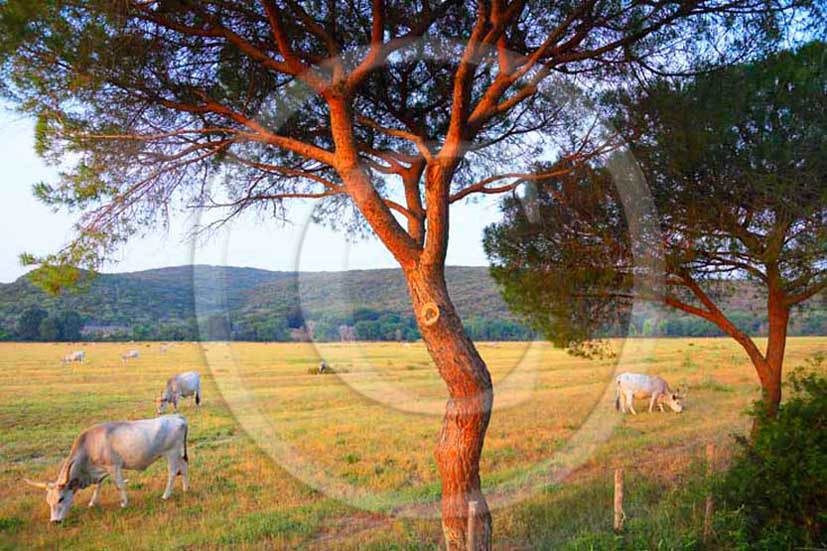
(429, 313)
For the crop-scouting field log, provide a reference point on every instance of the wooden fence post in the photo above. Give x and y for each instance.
(709, 507)
(471, 535)
(619, 515)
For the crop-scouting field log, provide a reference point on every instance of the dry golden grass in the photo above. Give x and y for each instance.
(352, 427)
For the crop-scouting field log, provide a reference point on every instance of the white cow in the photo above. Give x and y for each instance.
(110, 448)
(130, 355)
(180, 386)
(636, 385)
(76, 356)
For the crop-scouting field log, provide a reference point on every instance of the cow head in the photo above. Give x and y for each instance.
(161, 404)
(674, 401)
(59, 496)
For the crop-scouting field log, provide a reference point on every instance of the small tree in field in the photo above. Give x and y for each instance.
(735, 161)
(147, 101)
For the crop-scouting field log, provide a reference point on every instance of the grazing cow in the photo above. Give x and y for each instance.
(130, 355)
(110, 448)
(180, 386)
(636, 385)
(77, 356)
(323, 367)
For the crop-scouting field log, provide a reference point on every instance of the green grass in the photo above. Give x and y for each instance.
(242, 499)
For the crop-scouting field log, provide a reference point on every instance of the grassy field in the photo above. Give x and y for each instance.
(369, 429)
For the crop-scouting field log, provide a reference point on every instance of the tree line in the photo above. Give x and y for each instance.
(364, 324)
(37, 324)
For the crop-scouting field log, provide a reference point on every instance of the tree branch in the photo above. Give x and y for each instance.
(806, 295)
(722, 321)
(482, 185)
(420, 144)
(360, 188)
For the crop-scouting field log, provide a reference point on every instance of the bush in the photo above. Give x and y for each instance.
(774, 496)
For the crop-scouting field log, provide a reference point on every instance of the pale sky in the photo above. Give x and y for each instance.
(28, 226)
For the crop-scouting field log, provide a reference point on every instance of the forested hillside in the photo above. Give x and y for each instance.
(190, 302)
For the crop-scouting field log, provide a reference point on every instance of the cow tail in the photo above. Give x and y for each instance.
(186, 429)
(198, 397)
(617, 396)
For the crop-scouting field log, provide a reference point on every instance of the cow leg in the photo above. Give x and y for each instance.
(183, 467)
(120, 483)
(96, 495)
(652, 403)
(660, 406)
(631, 399)
(172, 470)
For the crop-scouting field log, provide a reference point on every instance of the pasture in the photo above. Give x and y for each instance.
(369, 426)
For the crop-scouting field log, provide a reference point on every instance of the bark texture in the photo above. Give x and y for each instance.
(779, 320)
(467, 413)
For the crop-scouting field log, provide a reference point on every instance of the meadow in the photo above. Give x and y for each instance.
(364, 436)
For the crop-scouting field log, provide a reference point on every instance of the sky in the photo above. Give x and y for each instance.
(27, 225)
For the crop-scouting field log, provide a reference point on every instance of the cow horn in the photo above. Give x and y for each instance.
(41, 485)
(66, 472)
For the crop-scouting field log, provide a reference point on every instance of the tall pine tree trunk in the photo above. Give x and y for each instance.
(769, 365)
(467, 413)
(779, 319)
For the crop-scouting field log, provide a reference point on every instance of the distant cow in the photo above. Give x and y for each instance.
(180, 386)
(323, 367)
(636, 385)
(130, 355)
(164, 348)
(110, 448)
(78, 356)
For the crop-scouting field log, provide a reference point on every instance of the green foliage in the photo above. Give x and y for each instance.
(217, 327)
(774, 495)
(50, 329)
(565, 285)
(487, 329)
(28, 326)
(160, 305)
(64, 326)
(52, 277)
(735, 165)
(272, 330)
(295, 317)
(262, 305)
(70, 325)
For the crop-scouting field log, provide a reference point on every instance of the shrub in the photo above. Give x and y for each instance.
(329, 370)
(774, 496)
